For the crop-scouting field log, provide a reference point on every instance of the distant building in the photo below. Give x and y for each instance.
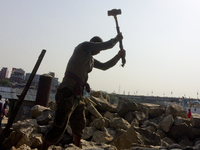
(52, 74)
(55, 81)
(17, 75)
(35, 79)
(4, 73)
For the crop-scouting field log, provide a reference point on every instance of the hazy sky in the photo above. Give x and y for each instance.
(161, 38)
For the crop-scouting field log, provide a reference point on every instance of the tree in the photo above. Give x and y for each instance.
(4, 82)
(114, 98)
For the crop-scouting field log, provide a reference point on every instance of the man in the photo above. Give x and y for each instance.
(70, 108)
(6, 104)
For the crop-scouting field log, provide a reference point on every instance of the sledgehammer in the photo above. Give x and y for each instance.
(114, 13)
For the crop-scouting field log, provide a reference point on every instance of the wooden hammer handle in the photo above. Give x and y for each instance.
(120, 42)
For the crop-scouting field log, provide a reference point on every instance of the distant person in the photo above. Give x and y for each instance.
(189, 113)
(1, 110)
(6, 104)
(70, 108)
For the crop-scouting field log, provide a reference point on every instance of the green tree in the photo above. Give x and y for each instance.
(4, 82)
(114, 98)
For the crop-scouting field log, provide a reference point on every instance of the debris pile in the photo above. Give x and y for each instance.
(128, 125)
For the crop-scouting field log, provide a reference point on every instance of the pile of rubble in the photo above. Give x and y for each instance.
(128, 125)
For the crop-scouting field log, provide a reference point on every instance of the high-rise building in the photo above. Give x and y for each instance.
(52, 74)
(35, 79)
(17, 75)
(55, 81)
(4, 73)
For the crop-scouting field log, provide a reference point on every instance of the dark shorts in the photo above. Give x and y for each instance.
(70, 109)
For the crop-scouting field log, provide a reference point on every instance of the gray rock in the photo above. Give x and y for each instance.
(37, 110)
(43, 129)
(25, 123)
(89, 145)
(98, 123)
(109, 115)
(53, 147)
(102, 137)
(179, 131)
(140, 116)
(196, 131)
(135, 123)
(120, 123)
(161, 133)
(166, 123)
(178, 121)
(185, 142)
(36, 140)
(137, 136)
(148, 137)
(93, 110)
(88, 132)
(103, 105)
(16, 138)
(196, 120)
(45, 117)
(129, 116)
(176, 110)
(153, 110)
(125, 105)
(125, 140)
(168, 140)
(53, 105)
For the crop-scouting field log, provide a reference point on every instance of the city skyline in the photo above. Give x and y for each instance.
(24, 76)
(9, 74)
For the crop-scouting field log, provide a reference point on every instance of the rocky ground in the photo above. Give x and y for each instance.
(128, 125)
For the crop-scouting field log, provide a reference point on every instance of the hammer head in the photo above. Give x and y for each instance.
(114, 12)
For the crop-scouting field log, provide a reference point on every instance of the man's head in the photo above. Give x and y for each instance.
(96, 39)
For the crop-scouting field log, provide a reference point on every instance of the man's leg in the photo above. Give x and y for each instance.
(78, 123)
(64, 110)
(53, 136)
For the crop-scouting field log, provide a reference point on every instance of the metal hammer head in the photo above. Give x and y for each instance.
(114, 12)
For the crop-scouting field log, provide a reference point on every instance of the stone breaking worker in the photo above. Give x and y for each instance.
(70, 108)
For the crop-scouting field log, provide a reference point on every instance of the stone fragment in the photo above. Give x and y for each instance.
(103, 105)
(53, 105)
(129, 116)
(109, 115)
(98, 123)
(166, 123)
(153, 110)
(102, 137)
(45, 117)
(196, 120)
(37, 110)
(125, 105)
(161, 133)
(176, 110)
(88, 132)
(168, 140)
(119, 123)
(179, 131)
(93, 110)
